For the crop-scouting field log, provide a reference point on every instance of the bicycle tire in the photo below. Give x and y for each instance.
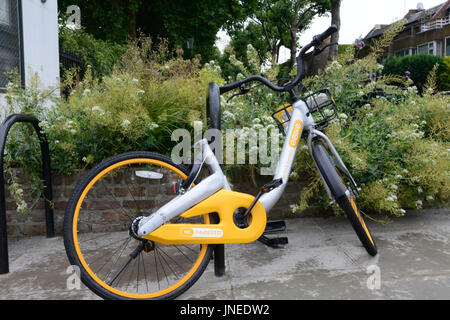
(75, 229)
(343, 196)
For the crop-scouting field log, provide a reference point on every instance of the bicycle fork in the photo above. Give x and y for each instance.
(314, 134)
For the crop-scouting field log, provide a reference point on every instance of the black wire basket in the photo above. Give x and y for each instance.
(322, 107)
(282, 117)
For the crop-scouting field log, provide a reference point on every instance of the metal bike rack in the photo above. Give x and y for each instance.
(48, 194)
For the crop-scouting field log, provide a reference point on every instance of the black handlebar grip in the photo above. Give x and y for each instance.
(317, 40)
(231, 86)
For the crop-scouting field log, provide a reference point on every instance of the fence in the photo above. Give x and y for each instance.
(438, 23)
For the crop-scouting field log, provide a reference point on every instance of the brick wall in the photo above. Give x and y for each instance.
(33, 223)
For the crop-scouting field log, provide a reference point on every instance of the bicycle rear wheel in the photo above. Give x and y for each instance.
(114, 263)
(343, 195)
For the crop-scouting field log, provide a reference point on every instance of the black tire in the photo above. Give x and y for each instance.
(343, 195)
(77, 230)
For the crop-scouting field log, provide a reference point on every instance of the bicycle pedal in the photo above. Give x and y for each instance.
(275, 226)
(274, 242)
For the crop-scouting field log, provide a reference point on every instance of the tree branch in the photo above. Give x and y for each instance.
(313, 10)
(269, 7)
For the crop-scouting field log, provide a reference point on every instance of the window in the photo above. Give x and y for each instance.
(10, 48)
(5, 12)
(447, 47)
(401, 53)
(406, 52)
(422, 49)
(438, 48)
(432, 48)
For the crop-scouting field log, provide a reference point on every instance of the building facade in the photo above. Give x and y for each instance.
(427, 31)
(29, 41)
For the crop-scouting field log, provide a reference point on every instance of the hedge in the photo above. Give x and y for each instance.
(417, 68)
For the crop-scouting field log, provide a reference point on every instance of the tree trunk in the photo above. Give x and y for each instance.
(132, 24)
(293, 47)
(335, 19)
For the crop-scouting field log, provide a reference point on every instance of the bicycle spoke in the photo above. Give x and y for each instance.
(107, 253)
(156, 266)
(162, 266)
(145, 273)
(168, 264)
(183, 252)
(115, 199)
(137, 276)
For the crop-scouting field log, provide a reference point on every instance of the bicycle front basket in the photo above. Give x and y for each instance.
(322, 107)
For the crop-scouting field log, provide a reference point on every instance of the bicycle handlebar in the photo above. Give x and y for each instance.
(317, 40)
(239, 83)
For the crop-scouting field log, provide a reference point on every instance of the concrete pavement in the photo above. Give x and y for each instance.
(323, 260)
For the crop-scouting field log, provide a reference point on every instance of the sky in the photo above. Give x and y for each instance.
(358, 17)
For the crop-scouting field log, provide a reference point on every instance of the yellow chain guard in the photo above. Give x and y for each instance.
(224, 202)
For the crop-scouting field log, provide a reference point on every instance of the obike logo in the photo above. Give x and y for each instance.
(202, 232)
(296, 132)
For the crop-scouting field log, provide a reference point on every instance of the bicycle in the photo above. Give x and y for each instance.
(155, 248)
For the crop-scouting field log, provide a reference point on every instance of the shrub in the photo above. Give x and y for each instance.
(100, 55)
(136, 107)
(250, 113)
(397, 150)
(444, 76)
(415, 67)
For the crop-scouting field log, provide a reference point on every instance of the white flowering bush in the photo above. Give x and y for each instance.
(398, 150)
(250, 115)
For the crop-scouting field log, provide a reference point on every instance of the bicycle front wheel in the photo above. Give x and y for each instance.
(114, 263)
(343, 195)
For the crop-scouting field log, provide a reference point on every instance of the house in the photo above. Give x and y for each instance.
(29, 41)
(427, 31)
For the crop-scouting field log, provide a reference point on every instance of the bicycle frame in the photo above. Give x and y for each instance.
(213, 194)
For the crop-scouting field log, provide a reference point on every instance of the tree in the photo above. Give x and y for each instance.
(112, 20)
(279, 22)
(336, 20)
(175, 20)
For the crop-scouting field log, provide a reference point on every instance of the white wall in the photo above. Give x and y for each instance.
(40, 41)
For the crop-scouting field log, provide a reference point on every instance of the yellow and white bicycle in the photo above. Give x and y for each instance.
(133, 240)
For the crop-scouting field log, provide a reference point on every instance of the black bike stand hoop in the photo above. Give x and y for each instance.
(4, 130)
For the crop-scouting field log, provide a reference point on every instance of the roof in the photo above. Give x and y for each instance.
(425, 13)
(411, 17)
(376, 31)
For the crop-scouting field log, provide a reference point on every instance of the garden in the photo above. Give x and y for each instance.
(133, 96)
